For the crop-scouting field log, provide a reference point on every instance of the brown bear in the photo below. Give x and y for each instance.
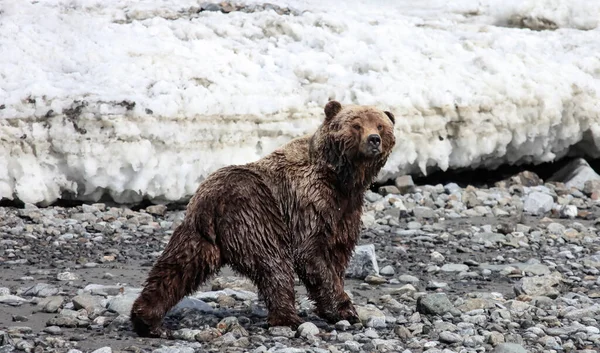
(295, 211)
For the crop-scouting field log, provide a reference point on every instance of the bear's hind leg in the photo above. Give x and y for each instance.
(275, 281)
(273, 274)
(326, 289)
(187, 261)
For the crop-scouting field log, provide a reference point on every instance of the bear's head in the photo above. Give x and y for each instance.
(355, 141)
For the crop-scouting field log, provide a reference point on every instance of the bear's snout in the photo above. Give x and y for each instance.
(371, 146)
(374, 140)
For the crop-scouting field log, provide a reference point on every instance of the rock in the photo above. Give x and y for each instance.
(436, 257)
(281, 331)
(408, 279)
(368, 313)
(236, 294)
(454, 268)
(526, 178)
(568, 211)
(186, 334)
(424, 212)
(591, 187)
(578, 314)
(371, 279)
(405, 184)
(546, 285)
(469, 197)
(307, 329)
(342, 325)
(207, 335)
(490, 237)
(449, 337)
(5, 340)
(363, 262)
(88, 302)
(103, 350)
(157, 210)
(592, 261)
(122, 304)
(41, 290)
(191, 303)
(236, 283)
(435, 304)
(575, 174)
(509, 348)
(50, 304)
(66, 276)
(388, 189)
(538, 203)
(53, 330)
(451, 188)
(12, 299)
(387, 271)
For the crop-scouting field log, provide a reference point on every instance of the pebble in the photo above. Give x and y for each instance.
(308, 329)
(436, 304)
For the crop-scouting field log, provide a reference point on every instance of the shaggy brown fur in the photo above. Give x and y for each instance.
(297, 210)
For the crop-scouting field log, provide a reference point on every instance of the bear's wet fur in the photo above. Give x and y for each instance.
(295, 211)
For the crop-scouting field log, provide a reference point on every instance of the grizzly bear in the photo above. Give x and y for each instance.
(295, 211)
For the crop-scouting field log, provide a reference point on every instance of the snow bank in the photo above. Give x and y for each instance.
(548, 14)
(145, 98)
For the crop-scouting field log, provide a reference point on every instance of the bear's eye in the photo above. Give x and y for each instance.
(379, 127)
(356, 126)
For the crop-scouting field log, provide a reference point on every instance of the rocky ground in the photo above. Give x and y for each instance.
(510, 268)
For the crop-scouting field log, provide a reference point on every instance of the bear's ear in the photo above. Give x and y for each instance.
(332, 108)
(391, 116)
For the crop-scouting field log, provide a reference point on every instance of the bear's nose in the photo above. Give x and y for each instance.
(374, 140)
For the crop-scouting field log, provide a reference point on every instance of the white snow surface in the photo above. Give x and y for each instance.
(212, 89)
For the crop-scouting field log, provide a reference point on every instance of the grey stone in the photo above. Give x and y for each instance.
(408, 279)
(186, 334)
(484, 237)
(405, 184)
(592, 261)
(363, 262)
(387, 271)
(546, 285)
(190, 303)
(575, 174)
(308, 329)
(103, 350)
(449, 337)
(454, 268)
(342, 325)
(436, 304)
(389, 189)
(369, 312)
(281, 331)
(53, 330)
(12, 299)
(424, 212)
(509, 348)
(122, 304)
(87, 302)
(41, 290)
(538, 203)
(158, 210)
(234, 293)
(66, 276)
(50, 304)
(591, 186)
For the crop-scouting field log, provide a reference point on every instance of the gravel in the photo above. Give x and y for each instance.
(440, 268)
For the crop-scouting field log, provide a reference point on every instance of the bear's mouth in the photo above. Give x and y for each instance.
(373, 151)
